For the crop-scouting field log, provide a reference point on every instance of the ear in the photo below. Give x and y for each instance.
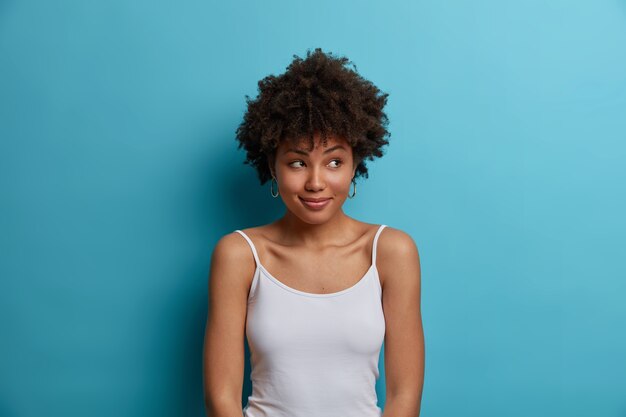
(270, 164)
(354, 167)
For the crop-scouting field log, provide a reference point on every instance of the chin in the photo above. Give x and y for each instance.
(311, 217)
(314, 221)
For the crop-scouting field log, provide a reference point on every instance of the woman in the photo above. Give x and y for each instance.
(316, 292)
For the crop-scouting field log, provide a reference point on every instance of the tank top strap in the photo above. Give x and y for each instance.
(254, 252)
(380, 229)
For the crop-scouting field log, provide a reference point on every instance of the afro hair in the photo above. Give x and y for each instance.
(318, 94)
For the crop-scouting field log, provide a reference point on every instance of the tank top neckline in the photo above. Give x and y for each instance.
(261, 269)
(313, 294)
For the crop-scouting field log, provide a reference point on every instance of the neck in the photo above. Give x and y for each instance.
(320, 235)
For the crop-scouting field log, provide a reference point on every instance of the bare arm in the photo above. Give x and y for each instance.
(232, 265)
(404, 336)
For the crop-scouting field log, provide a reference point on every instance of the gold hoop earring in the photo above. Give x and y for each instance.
(354, 192)
(272, 187)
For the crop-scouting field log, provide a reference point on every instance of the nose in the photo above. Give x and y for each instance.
(315, 181)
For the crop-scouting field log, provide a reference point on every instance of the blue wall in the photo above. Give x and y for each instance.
(119, 171)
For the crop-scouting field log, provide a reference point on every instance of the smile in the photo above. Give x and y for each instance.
(315, 205)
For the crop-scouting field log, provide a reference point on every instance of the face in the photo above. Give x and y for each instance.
(322, 173)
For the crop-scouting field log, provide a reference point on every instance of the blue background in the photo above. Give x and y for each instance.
(119, 172)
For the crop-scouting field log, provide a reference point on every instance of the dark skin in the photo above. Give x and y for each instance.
(317, 251)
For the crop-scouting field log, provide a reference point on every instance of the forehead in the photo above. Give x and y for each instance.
(304, 144)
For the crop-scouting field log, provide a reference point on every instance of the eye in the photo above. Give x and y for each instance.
(339, 162)
(291, 163)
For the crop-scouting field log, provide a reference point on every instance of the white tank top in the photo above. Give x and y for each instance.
(314, 355)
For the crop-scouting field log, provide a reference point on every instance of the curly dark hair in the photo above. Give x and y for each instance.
(318, 94)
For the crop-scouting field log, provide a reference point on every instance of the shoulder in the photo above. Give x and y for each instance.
(232, 261)
(395, 244)
(231, 246)
(397, 257)
(234, 245)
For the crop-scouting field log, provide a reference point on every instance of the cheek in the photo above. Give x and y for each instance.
(291, 182)
(339, 182)
(295, 181)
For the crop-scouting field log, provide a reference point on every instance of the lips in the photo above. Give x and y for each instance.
(315, 200)
(315, 204)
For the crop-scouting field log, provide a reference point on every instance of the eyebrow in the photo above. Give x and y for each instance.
(306, 153)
